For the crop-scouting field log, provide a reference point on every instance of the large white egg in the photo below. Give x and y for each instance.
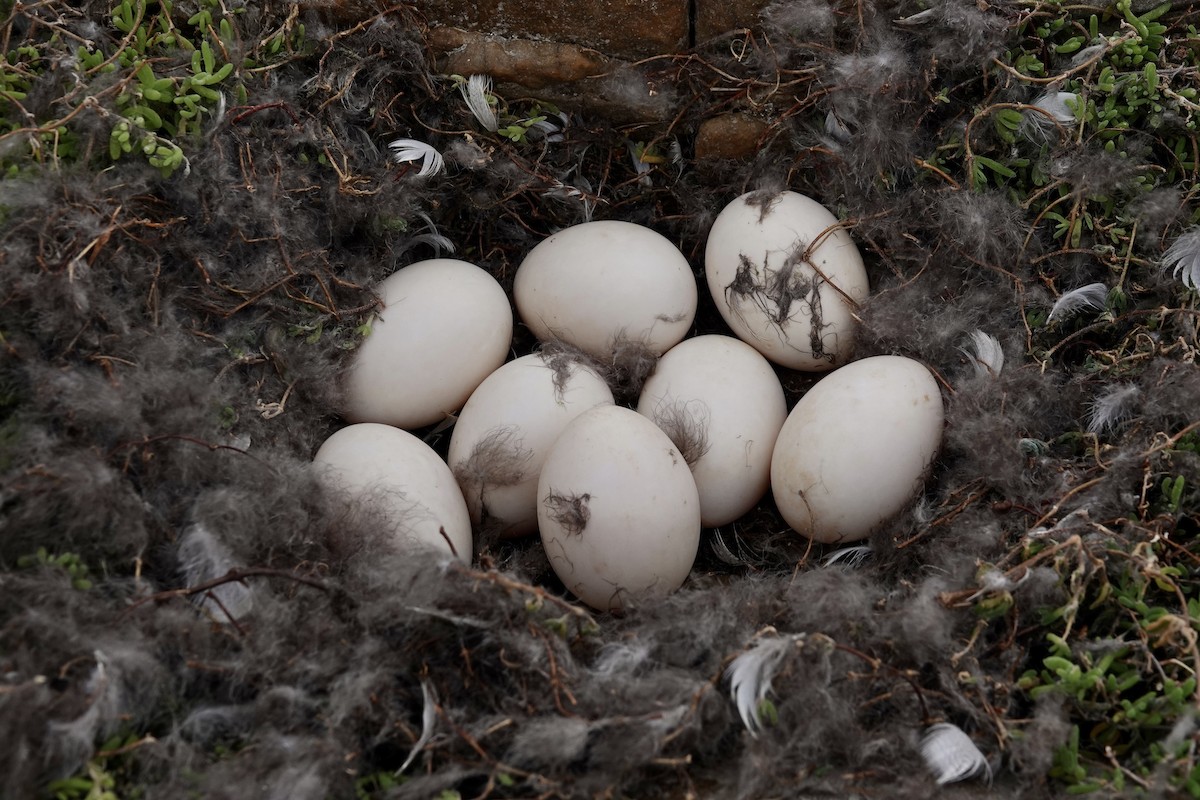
(411, 484)
(506, 429)
(721, 403)
(786, 278)
(857, 447)
(618, 509)
(595, 283)
(444, 327)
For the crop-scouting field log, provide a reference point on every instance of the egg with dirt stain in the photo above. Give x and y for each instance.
(618, 509)
(722, 405)
(856, 448)
(404, 479)
(600, 283)
(445, 325)
(787, 278)
(506, 429)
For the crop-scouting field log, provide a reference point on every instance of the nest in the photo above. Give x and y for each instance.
(184, 609)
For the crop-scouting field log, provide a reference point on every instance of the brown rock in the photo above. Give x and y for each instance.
(534, 65)
(619, 28)
(734, 135)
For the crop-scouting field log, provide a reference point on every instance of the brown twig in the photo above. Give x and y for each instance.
(229, 577)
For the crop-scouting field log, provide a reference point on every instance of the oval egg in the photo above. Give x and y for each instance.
(721, 403)
(444, 327)
(786, 278)
(618, 509)
(856, 448)
(600, 282)
(406, 478)
(506, 429)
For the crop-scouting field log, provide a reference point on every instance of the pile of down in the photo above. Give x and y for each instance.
(620, 494)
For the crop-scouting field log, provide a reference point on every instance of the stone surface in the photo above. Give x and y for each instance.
(576, 79)
(533, 64)
(619, 28)
(628, 29)
(717, 17)
(734, 135)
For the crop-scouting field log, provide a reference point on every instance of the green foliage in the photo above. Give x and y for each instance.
(70, 563)
(104, 777)
(155, 89)
(1172, 494)
(1128, 72)
(1120, 666)
(375, 785)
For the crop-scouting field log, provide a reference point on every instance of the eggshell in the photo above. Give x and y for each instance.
(595, 283)
(410, 482)
(506, 429)
(786, 279)
(856, 448)
(444, 327)
(721, 403)
(618, 509)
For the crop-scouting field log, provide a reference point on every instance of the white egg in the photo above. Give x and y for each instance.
(411, 484)
(618, 509)
(595, 283)
(786, 278)
(857, 447)
(721, 403)
(506, 429)
(444, 327)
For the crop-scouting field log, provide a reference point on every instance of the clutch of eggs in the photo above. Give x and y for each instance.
(786, 278)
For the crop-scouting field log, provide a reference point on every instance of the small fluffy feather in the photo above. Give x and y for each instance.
(1113, 407)
(986, 354)
(428, 718)
(431, 160)
(1092, 296)
(853, 556)
(476, 90)
(751, 673)
(1051, 109)
(1183, 257)
(203, 558)
(951, 755)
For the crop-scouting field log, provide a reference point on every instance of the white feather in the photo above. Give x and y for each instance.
(431, 236)
(837, 129)
(751, 673)
(1058, 111)
(1088, 53)
(920, 18)
(853, 556)
(986, 354)
(428, 718)
(1093, 295)
(951, 755)
(413, 150)
(204, 558)
(1184, 256)
(1113, 407)
(476, 90)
